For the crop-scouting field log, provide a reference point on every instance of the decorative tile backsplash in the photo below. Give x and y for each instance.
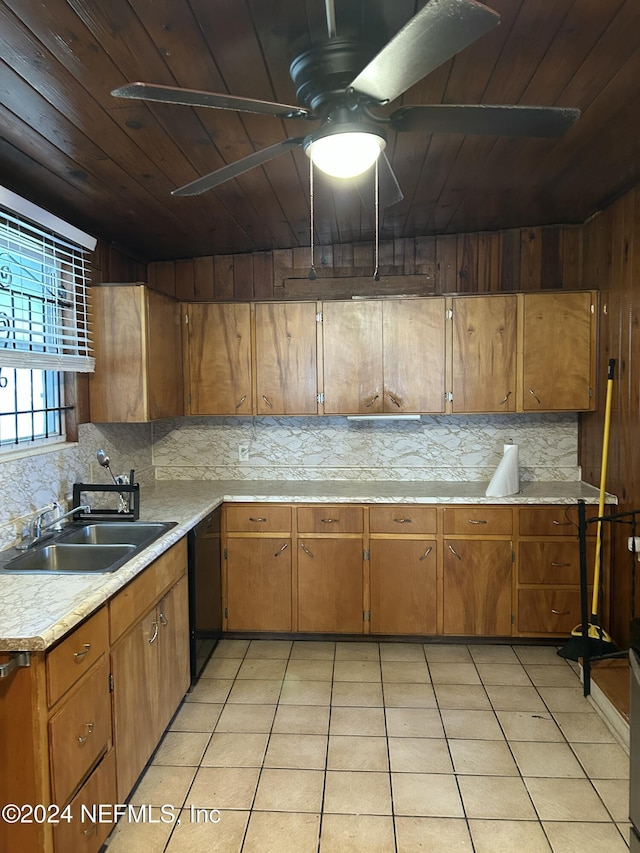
(456, 448)
(333, 448)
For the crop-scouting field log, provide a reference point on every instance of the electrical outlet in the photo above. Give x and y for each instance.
(243, 452)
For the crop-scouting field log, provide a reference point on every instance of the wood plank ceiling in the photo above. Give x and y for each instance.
(109, 165)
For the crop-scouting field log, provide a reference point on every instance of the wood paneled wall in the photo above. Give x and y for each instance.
(612, 264)
(518, 259)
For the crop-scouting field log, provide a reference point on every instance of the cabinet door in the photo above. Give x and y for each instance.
(403, 586)
(484, 354)
(286, 358)
(258, 584)
(413, 355)
(218, 359)
(134, 665)
(173, 651)
(558, 351)
(164, 357)
(352, 358)
(477, 587)
(330, 585)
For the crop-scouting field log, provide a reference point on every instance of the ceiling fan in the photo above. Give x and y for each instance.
(338, 82)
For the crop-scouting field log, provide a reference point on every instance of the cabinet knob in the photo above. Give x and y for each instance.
(82, 739)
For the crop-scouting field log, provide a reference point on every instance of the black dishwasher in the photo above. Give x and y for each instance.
(205, 591)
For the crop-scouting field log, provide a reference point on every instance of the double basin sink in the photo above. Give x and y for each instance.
(91, 548)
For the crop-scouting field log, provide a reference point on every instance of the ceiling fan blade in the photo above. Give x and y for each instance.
(439, 31)
(196, 98)
(226, 173)
(507, 120)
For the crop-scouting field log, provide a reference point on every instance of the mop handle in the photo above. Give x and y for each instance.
(603, 480)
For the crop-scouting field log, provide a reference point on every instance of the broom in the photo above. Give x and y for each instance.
(598, 641)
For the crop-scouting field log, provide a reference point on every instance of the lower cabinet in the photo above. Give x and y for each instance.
(149, 661)
(258, 584)
(403, 586)
(330, 588)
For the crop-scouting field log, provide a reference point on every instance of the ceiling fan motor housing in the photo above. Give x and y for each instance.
(323, 73)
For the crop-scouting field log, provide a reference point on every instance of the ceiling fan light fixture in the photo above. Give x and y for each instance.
(345, 152)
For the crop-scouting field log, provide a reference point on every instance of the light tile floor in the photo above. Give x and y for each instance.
(383, 747)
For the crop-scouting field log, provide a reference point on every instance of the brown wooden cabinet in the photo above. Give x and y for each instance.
(138, 351)
(483, 367)
(383, 356)
(149, 660)
(217, 358)
(549, 570)
(286, 358)
(558, 351)
(403, 566)
(258, 571)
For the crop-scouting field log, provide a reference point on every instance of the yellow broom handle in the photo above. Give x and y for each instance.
(603, 481)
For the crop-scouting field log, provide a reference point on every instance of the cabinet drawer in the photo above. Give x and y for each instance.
(548, 611)
(402, 519)
(330, 519)
(138, 596)
(258, 518)
(82, 834)
(478, 520)
(76, 654)
(79, 733)
(554, 521)
(552, 562)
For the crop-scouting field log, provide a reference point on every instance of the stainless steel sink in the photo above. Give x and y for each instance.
(82, 547)
(114, 533)
(71, 559)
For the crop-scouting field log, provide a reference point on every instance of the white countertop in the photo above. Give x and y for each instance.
(37, 610)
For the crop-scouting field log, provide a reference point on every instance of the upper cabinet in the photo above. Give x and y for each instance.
(137, 344)
(558, 351)
(286, 358)
(483, 364)
(383, 356)
(217, 358)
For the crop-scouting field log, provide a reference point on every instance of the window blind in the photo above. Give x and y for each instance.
(44, 290)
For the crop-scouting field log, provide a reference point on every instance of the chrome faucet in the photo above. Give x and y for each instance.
(37, 529)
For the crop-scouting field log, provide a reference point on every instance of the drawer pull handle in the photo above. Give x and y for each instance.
(163, 619)
(505, 398)
(454, 552)
(535, 396)
(559, 565)
(84, 738)
(403, 520)
(257, 520)
(477, 521)
(80, 655)
(306, 550)
(155, 633)
(426, 553)
(267, 401)
(281, 549)
(560, 612)
(241, 401)
(561, 523)
(329, 520)
(91, 828)
(371, 401)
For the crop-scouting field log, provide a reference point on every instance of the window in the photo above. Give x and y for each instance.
(44, 323)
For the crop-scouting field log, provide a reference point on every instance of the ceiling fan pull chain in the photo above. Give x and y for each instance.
(376, 204)
(312, 269)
